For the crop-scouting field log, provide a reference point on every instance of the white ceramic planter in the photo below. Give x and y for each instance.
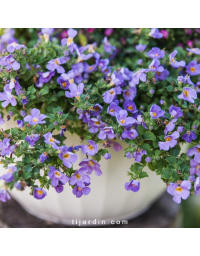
(108, 199)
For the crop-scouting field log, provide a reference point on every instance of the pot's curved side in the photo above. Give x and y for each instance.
(108, 199)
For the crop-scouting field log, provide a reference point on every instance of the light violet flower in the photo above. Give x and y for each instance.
(156, 53)
(133, 185)
(170, 141)
(90, 149)
(75, 91)
(69, 41)
(9, 62)
(35, 117)
(106, 132)
(194, 50)
(175, 112)
(194, 151)
(80, 178)
(179, 192)
(91, 165)
(188, 94)
(6, 148)
(113, 109)
(193, 68)
(156, 112)
(140, 47)
(56, 176)
(55, 64)
(67, 157)
(173, 62)
(155, 33)
(189, 136)
(195, 167)
(155, 66)
(130, 134)
(14, 46)
(50, 140)
(130, 106)
(122, 118)
(32, 139)
(138, 154)
(4, 195)
(39, 193)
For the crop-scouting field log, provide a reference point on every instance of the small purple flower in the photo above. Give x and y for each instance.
(156, 53)
(185, 79)
(179, 192)
(113, 109)
(194, 50)
(78, 192)
(24, 100)
(90, 149)
(193, 68)
(50, 140)
(180, 129)
(130, 134)
(139, 62)
(69, 41)
(56, 176)
(35, 117)
(155, 33)
(14, 46)
(108, 47)
(197, 186)
(189, 136)
(66, 79)
(95, 124)
(122, 118)
(156, 112)
(20, 123)
(152, 91)
(63, 129)
(173, 62)
(75, 91)
(6, 148)
(84, 115)
(140, 47)
(160, 76)
(116, 146)
(67, 157)
(39, 193)
(194, 151)
(91, 165)
(4, 195)
(107, 156)
(195, 167)
(155, 66)
(18, 185)
(9, 62)
(139, 75)
(169, 126)
(133, 185)
(47, 31)
(140, 121)
(109, 96)
(55, 64)
(13, 83)
(106, 132)
(7, 97)
(46, 77)
(138, 154)
(175, 112)
(130, 106)
(129, 155)
(126, 74)
(80, 178)
(170, 141)
(32, 139)
(43, 157)
(148, 159)
(188, 94)
(96, 109)
(162, 102)
(8, 177)
(130, 93)
(78, 70)
(1, 120)
(22, 113)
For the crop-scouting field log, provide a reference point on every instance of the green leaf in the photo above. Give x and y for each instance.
(149, 136)
(44, 90)
(171, 159)
(165, 173)
(141, 129)
(175, 151)
(170, 88)
(143, 175)
(151, 166)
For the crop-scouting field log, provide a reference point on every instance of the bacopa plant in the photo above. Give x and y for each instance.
(122, 88)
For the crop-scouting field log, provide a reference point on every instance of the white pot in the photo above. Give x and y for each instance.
(108, 199)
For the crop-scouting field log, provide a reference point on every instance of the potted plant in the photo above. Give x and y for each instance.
(76, 119)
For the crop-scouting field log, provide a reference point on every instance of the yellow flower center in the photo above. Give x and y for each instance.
(63, 126)
(122, 121)
(79, 188)
(197, 167)
(112, 92)
(90, 68)
(56, 61)
(186, 93)
(168, 139)
(64, 84)
(66, 155)
(40, 192)
(90, 147)
(51, 139)
(45, 153)
(173, 60)
(158, 73)
(57, 173)
(97, 123)
(96, 108)
(111, 110)
(35, 119)
(198, 150)
(179, 189)
(192, 69)
(154, 114)
(130, 108)
(78, 176)
(91, 163)
(166, 122)
(69, 40)
(71, 81)
(127, 93)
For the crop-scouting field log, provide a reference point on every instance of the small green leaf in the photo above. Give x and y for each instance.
(149, 136)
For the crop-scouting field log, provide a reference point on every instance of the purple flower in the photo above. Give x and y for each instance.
(80, 178)
(195, 167)
(50, 140)
(84, 115)
(90, 149)
(9, 62)
(122, 118)
(169, 126)
(66, 79)
(173, 62)
(130, 106)
(194, 151)
(13, 83)
(32, 139)
(188, 94)
(180, 129)
(139, 62)
(139, 75)
(39, 193)
(55, 64)
(67, 157)
(116, 146)
(130, 93)
(179, 192)
(155, 66)
(35, 117)
(107, 156)
(78, 192)
(113, 109)
(129, 155)
(96, 109)
(22, 113)
(160, 76)
(18, 185)
(6, 148)
(20, 123)
(106, 132)
(69, 41)
(185, 79)
(1, 120)
(7, 97)
(14, 46)
(8, 177)
(156, 53)
(47, 31)
(162, 102)
(78, 70)
(43, 157)
(148, 159)
(175, 112)
(189, 136)
(197, 186)
(140, 47)
(91, 165)
(109, 96)
(126, 74)
(4, 195)
(24, 100)
(156, 112)
(56, 176)
(140, 121)
(130, 134)
(155, 33)
(193, 68)
(138, 154)
(152, 91)
(108, 47)
(194, 50)
(46, 77)
(75, 91)
(133, 185)
(95, 124)
(170, 141)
